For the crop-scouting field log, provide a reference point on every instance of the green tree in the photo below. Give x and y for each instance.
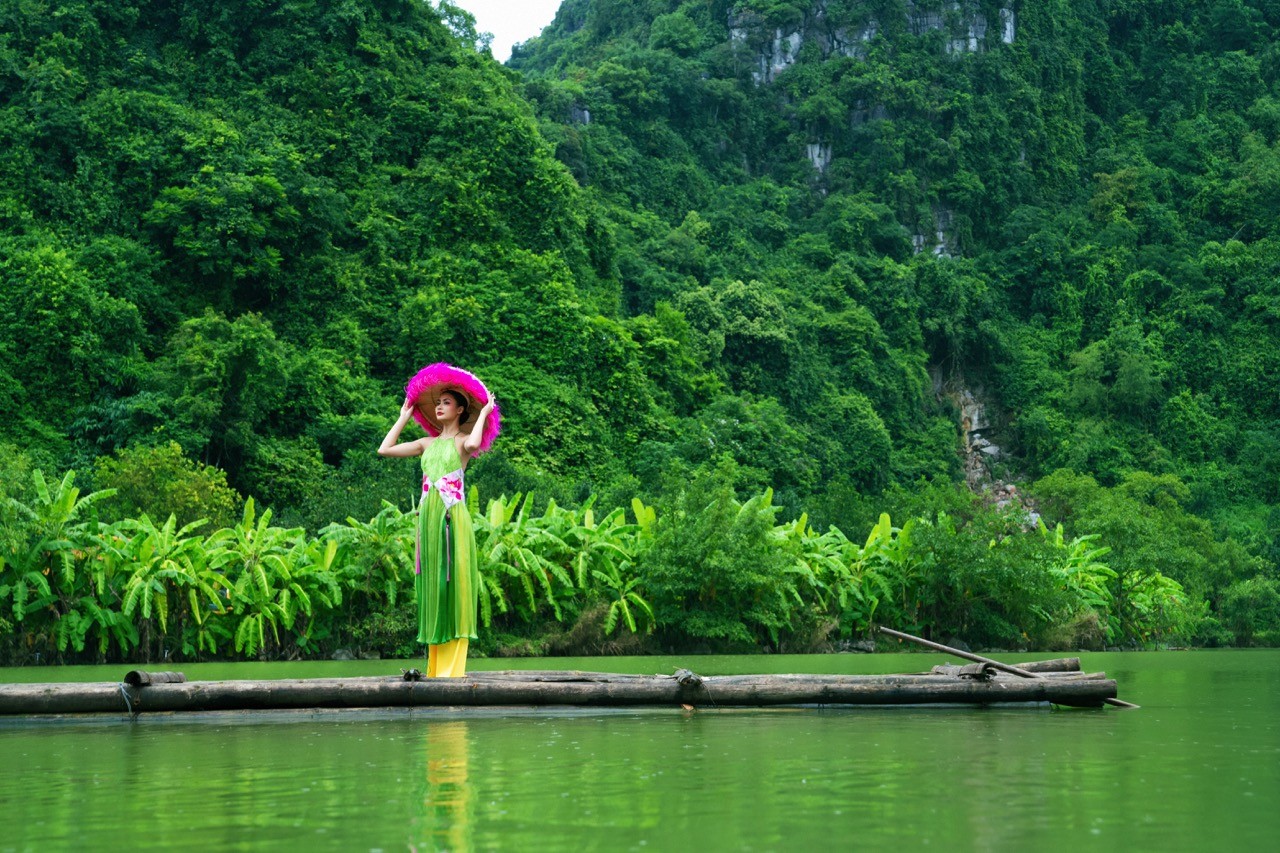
(160, 481)
(715, 573)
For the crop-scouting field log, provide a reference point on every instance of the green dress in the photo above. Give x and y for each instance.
(447, 579)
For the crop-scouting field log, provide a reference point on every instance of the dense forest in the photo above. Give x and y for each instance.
(741, 274)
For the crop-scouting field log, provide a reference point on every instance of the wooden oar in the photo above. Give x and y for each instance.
(1003, 667)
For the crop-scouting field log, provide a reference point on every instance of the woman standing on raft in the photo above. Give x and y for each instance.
(443, 399)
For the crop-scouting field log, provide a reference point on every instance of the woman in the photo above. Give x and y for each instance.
(446, 577)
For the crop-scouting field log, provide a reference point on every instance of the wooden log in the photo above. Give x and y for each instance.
(596, 690)
(141, 678)
(95, 697)
(1058, 666)
(1013, 670)
(1054, 665)
(558, 675)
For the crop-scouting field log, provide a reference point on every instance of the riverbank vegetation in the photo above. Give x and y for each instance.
(704, 572)
(760, 246)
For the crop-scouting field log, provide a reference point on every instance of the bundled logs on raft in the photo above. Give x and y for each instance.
(983, 682)
(1061, 684)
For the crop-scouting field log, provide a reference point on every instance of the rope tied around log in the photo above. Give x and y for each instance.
(138, 679)
(687, 677)
(128, 704)
(690, 680)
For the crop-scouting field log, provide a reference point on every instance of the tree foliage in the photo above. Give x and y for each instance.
(667, 232)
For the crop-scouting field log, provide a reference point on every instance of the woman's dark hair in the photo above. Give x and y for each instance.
(461, 401)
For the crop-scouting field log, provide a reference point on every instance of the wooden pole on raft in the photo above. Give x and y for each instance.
(1003, 667)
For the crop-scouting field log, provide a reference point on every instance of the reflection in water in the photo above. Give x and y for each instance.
(1197, 768)
(448, 809)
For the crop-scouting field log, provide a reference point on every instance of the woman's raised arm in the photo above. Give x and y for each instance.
(408, 448)
(472, 442)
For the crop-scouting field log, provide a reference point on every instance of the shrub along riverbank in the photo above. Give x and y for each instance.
(703, 572)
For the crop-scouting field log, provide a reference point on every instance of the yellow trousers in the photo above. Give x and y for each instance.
(447, 660)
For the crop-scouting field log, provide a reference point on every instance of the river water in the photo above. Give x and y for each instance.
(1196, 768)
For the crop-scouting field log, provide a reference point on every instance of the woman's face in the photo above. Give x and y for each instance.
(447, 409)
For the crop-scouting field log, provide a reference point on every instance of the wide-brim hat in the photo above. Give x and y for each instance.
(427, 385)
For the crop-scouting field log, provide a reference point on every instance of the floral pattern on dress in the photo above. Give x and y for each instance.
(449, 486)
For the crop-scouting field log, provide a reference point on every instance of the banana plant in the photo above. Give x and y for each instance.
(493, 571)
(88, 615)
(599, 546)
(646, 516)
(377, 555)
(51, 532)
(207, 602)
(819, 561)
(158, 563)
(258, 557)
(513, 546)
(624, 599)
(24, 587)
(885, 563)
(310, 583)
(1079, 570)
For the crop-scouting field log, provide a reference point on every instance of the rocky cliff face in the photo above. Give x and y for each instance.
(775, 49)
(979, 452)
(772, 50)
(942, 243)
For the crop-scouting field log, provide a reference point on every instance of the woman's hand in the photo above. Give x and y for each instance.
(488, 407)
(389, 447)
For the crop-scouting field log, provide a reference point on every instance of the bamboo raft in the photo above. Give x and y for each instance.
(1059, 682)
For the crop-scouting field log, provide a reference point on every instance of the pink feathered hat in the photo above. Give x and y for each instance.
(424, 387)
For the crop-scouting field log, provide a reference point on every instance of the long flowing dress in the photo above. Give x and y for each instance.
(447, 578)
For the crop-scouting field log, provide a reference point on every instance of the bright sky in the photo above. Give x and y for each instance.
(510, 21)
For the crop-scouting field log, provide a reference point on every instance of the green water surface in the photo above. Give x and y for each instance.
(1197, 768)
